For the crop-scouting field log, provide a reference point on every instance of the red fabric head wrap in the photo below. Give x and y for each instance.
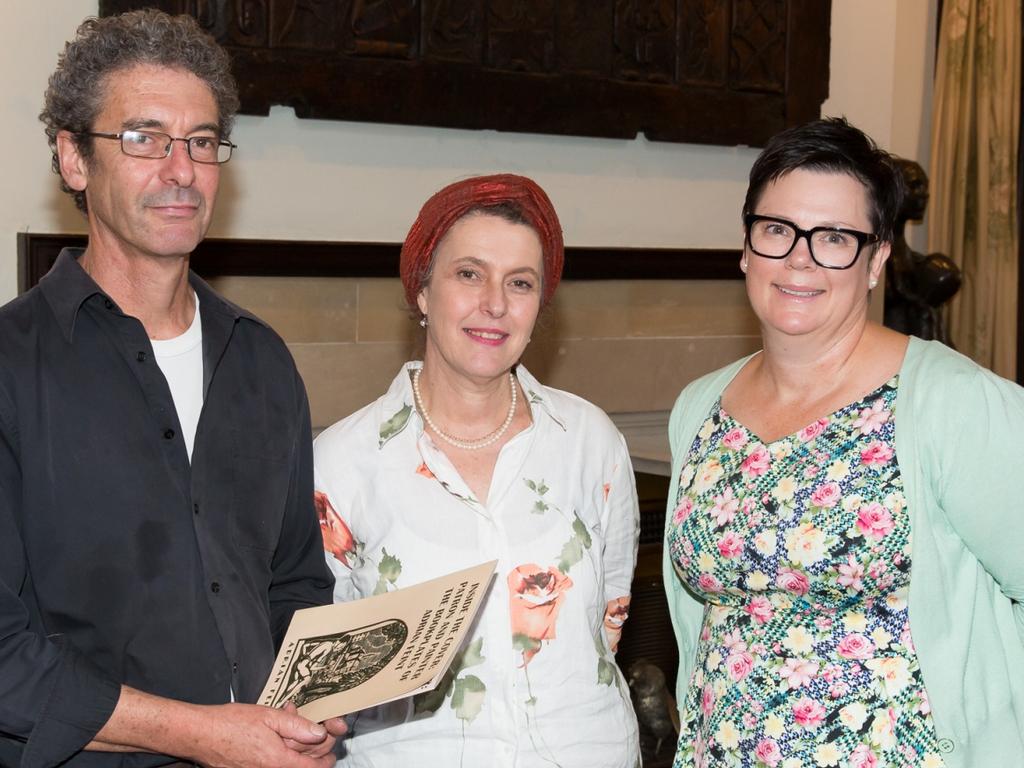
(449, 205)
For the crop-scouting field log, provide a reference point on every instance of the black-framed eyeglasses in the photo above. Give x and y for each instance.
(830, 247)
(154, 145)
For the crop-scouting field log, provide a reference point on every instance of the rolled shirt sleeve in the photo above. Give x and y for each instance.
(621, 523)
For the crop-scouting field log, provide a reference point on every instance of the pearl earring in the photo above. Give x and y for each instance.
(872, 283)
(423, 322)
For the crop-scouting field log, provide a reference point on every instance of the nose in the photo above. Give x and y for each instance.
(800, 255)
(178, 166)
(493, 300)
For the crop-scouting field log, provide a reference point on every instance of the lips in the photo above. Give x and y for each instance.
(182, 211)
(488, 336)
(184, 202)
(797, 292)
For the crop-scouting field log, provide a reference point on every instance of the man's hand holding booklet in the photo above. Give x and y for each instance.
(341, 658)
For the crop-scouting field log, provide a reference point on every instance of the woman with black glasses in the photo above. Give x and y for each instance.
(844, 530)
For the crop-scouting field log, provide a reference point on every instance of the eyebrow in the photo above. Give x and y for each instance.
(826, 225)
(530, 270)
(142, 123)
(481, 263)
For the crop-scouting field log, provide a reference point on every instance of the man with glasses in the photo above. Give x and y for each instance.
(156, 521)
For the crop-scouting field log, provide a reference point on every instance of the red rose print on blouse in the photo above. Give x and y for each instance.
(337, 537)
(535, 597)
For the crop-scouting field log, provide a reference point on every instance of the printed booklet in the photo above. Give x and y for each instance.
(341, 658)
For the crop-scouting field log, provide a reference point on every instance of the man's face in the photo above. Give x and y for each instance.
(142, 206)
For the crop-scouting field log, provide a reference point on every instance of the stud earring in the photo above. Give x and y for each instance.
(744, 262)
(423, 322)
(872, 283)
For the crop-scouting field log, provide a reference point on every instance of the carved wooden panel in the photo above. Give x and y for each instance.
(709, 71)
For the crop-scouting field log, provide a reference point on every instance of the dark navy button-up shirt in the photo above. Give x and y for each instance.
(121, 562)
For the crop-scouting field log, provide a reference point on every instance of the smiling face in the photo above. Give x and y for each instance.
(794, 296)
(140, 206)
(482, 299)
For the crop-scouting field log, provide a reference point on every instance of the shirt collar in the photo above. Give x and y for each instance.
(537, 395)
(398, 403)
(217, 303)
(67, 286)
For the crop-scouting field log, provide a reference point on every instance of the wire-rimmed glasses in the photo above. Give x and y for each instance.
(155, 145)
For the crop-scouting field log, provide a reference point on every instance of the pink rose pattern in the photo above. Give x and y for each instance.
(826, 496)
(730, 545)
(793, 581)
(683, 510)
(874, 521)
(794, 538)
(808, 713)
(855, 646)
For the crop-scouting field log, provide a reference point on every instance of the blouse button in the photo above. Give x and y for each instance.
(945, 746)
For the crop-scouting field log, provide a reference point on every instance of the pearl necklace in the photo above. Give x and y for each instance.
(458, 442)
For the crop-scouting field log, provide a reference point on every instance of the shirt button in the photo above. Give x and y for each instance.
(108, 304)
(234, 667)
(215, 586)
(168, 434)
(141, 357)
(195, 509)
(945, 746)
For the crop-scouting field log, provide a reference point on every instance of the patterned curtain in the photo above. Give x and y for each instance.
(975, 125)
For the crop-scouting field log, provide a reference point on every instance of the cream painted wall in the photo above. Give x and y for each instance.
(912, 94)
(305, 179)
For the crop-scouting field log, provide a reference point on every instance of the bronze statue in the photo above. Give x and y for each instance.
(656, 711)
(916, 284)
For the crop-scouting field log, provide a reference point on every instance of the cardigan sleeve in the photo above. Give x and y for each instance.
(979, 440)
(684, 609)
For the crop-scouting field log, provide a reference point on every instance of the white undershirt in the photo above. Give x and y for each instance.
(181, 360)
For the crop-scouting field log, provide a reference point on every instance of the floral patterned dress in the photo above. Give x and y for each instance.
(535, 684)
(801, 550)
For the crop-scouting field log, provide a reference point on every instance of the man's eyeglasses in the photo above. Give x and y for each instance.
(154, 145)
(830, 247)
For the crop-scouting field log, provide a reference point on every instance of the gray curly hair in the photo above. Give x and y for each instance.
(74, 96)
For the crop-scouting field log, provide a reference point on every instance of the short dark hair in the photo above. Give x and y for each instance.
(74, 96)
(833, 145)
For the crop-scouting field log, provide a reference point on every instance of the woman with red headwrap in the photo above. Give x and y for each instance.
(468, 458)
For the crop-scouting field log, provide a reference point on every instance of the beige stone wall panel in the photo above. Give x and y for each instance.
(301, 309)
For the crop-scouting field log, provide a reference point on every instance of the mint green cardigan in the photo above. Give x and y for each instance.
(960, 447)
